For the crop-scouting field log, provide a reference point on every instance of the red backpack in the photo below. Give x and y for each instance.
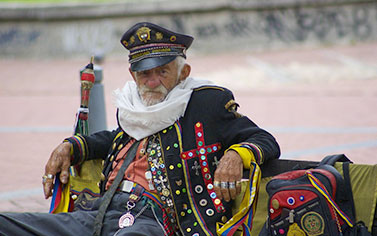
(311, 202)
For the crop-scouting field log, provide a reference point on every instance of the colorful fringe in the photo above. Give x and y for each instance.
(61, 199)
(322, 189)
(245, 215)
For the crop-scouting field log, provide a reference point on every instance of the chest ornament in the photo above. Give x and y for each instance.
(159, 177)
(201, 152)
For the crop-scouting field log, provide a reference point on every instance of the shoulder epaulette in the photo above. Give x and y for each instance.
(209, 87)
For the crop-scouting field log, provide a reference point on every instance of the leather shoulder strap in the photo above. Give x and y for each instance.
(106, 199)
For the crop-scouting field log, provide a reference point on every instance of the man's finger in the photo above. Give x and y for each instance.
(225, 191)
(232, 190)
(47, 188)
(59, 161)
(64, 174)
(228, 171)
(218, 178)
(220, 192)
(238, 187)
(216, 187)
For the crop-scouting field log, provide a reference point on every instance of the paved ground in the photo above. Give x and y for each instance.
(315, 101)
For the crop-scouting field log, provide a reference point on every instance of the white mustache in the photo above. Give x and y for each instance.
(160, 89)
(148, 100)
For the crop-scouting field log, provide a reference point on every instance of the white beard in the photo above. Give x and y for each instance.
(148, 97)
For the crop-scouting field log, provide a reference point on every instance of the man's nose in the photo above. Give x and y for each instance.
(153, 80)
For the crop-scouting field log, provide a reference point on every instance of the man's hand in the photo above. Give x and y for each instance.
(60, 161)
(229, 172)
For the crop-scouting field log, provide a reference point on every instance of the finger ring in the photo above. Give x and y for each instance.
(44, 178)
(216, 183)
(50, 176)
(224, 184)
(232, 185)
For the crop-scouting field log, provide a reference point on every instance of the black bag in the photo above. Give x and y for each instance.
(359, 228)
(312, 202)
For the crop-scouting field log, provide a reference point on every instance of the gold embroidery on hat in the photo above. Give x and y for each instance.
(144, 34)
(132, 39)
(173, 38)
(137, 55)
(159, 36)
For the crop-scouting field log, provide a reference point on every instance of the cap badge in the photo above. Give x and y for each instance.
(159, 36)
(173, 38)
(132, 39)
(144, 34)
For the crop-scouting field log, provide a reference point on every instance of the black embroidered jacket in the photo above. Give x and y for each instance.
(191, 149)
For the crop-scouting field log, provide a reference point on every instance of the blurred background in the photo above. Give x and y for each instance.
(305, 70)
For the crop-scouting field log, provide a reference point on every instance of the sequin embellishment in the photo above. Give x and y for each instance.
(159, 176)
(201, 152)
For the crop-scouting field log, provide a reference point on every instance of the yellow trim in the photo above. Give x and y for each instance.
(172, 195)
(219, 225)
(179, 137)
(209, 87)
(249, 200)
(65, 198)
(118, 135)
(238, 231)
(260, 153)
(82, 146)
(186, 180)
(246, 154)
(154, 194)
(71, 151)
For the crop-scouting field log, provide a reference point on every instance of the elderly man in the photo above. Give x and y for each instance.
(175, 162)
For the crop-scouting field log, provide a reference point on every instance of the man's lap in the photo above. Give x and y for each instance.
(79, 222)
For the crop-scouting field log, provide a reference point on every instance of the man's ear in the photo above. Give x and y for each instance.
(132, 74)
(185, 72)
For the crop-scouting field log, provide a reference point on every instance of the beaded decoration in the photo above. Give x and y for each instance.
(159, 176)
(202, 151)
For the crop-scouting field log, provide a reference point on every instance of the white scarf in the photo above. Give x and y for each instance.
(140, 121)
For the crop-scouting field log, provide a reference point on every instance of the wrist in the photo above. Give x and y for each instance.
(68, 149)
(235, 155)
(245, 154)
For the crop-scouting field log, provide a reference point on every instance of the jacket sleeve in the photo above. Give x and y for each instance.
(240, 130)
(94, 146)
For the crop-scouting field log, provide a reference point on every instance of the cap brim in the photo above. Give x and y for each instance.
(150, 63)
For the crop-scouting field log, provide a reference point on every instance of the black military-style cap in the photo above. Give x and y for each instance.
(151, 45)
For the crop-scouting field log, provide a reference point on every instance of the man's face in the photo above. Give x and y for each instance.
(155, 84)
